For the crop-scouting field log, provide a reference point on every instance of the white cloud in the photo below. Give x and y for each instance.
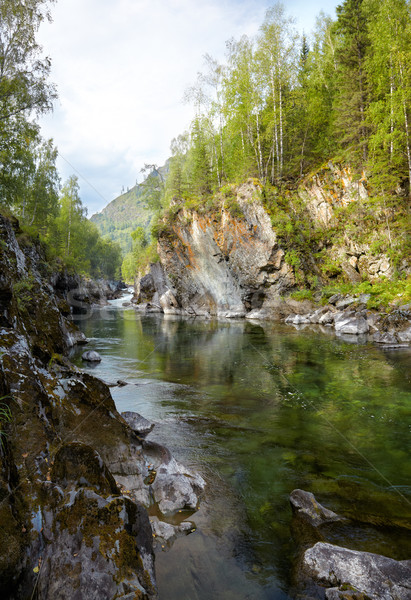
(122, 68)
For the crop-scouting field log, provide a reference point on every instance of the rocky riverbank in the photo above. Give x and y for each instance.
(76, 477)
(325, 569)
(349, 317)
(246, 257)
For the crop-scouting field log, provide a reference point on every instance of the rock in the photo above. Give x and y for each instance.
(405, 335)
(320, 312)
(364, 298)
(341, 569)
(165, 534)
(327, 318)
(137, 423)
(305, 505)
(345, 302)
(350, 323)
(97, 548)
(300, 319)
(335, 298)
(174, 486)
(385, 338)
(91, 356)
(77, 464)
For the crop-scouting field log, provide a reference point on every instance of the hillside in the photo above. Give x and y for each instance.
(119, 218)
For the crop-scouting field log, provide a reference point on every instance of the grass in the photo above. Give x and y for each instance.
(5, 417)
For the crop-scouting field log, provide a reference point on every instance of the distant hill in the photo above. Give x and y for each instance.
(119, 218)
(130, 210)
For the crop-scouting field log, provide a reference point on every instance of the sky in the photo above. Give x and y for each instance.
(121, 70)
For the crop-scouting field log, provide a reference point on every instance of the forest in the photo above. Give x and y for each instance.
(30, 185)
(283, 103)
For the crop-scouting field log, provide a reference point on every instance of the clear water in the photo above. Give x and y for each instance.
(259, 410)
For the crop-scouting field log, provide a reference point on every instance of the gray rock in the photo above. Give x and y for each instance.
(334, 299)
(345, 302)
(305, 505)
(316, 316)
(174, 486)
(301, 319)
(164, 534)
(405, 335)
(137, 423)
(81, 560)
(385, 338)
(91, 356)
(363, 298)
(376, 576)
(327, 318)
(351, 324)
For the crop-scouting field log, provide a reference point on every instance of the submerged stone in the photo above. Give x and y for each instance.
(91, 356)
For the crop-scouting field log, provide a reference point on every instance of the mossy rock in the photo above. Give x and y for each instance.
(78, 465)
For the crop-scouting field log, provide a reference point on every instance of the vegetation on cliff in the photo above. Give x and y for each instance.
(280, 108)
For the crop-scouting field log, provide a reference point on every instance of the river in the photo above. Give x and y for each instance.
(260, 409)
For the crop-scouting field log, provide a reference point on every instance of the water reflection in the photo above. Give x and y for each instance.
(261, 409)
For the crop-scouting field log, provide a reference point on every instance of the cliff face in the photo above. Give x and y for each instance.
(232, 260)
(220, 263)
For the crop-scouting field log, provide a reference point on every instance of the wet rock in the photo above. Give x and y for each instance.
(164, 534)
(137, 423)
(305, 506)
(376, 577)
(174, 486)
(91, 356)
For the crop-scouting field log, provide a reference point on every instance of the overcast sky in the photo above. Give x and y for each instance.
(121, 68)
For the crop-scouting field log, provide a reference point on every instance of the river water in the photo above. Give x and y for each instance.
(260, 409)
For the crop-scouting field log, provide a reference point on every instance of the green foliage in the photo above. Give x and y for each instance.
(5, 417)
(24, 291)
(384, 292)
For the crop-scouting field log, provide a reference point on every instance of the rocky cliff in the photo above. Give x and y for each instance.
(76, 478)
(245, 254)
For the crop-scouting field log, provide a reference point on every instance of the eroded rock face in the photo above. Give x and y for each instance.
(219, 264)
(342, 570)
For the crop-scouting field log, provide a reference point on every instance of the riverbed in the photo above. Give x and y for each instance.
(260, 409)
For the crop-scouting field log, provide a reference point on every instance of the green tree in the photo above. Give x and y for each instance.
(352, 28)
(389, 112)
(277, 61)
(69, 222)
(153, 186)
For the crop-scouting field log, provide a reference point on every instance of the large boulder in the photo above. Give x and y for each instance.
(360, 574)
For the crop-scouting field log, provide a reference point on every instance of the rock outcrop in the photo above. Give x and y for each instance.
(228, 260)
(76, 479)
(218, 264)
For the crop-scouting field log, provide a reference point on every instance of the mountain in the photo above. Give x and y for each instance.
(119, 218)
(130, 210)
